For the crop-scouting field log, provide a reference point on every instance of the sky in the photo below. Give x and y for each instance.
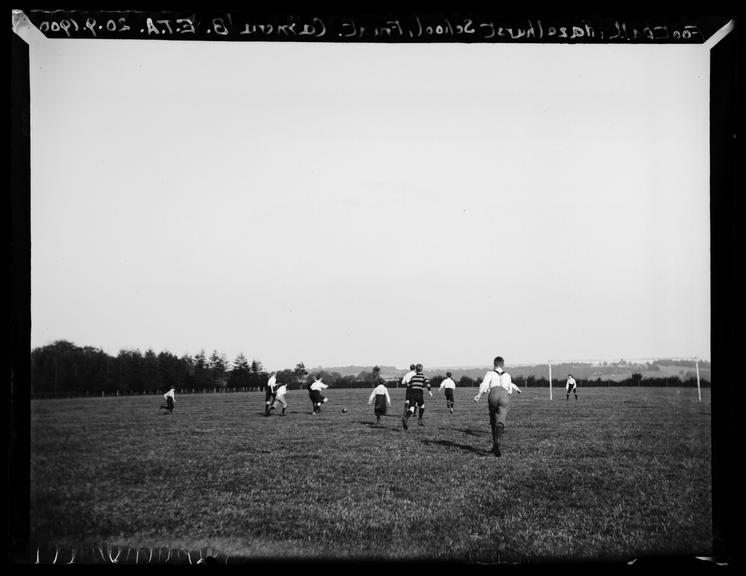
(360, 204)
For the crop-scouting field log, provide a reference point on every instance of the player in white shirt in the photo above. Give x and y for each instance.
(381, 395)
(170, 398)
(498, 384)
(269, 393)
(571, 386)
(449, 386)
(317, 398)
(280, 393)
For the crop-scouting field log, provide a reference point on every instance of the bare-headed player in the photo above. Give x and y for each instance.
(499, 386)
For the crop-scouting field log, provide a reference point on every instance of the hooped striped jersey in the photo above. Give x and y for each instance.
(419, 381)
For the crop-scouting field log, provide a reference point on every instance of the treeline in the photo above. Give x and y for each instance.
(63, 369)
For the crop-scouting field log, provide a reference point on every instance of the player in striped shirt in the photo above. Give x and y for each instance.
(405, 382)
(416, 387)
(381, 395)
(499, 386)
(449, 386)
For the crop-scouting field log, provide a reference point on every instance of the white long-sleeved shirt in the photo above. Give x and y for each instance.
(570, 383)
(272, 382)
(170, 394)
(380, 390)
(282, 389)
(408, 376)
(319, 385)
(494, 378)
(448, 383)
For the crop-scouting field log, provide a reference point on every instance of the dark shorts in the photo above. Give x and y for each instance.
(379, 406)
(316, 396)
(416, 397)
(449, 394)
(268, 394)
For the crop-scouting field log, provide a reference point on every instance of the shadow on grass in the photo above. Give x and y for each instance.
(470, 432)
(466, 447)
(372, 424)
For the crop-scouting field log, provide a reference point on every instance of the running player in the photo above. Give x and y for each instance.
(449, 386)
(416, 398)
(405, 382)
(280, 393)
(316, 397)
(170, 398)
(499, 386)
(381, 396)
(269, 393)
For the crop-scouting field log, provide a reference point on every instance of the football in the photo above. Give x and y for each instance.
(344, 410)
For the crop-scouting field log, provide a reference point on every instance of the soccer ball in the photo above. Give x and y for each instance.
(344, 410)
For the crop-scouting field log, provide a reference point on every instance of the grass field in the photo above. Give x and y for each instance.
(619, 474)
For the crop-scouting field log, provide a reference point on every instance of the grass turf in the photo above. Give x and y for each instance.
(618, 474)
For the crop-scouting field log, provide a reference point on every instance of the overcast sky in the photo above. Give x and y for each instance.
(371, 204)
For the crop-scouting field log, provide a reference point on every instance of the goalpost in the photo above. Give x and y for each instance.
(696, 366)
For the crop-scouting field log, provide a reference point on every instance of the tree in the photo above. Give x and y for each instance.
(173, 371)
(200, 377)
(63, 368)
(152, 375)
(131, 374)
(286, 376)
(369, 378)
(217, 369)
(240, 376)
(466, 381)
(256, 366)
(299, 372)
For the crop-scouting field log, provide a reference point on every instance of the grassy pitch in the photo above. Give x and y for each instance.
(620, 473)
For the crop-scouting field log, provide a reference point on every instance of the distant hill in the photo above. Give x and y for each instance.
(386, 371)
(663, 368)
